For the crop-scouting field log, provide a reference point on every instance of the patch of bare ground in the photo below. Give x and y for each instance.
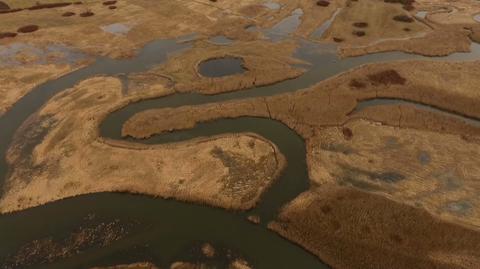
(233, 172)
(374, 232)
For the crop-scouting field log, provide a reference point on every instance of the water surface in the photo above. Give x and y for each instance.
(220, 67)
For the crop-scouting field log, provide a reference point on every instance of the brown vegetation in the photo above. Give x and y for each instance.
(403, 18)
(68, 14)
(47, 250)
(4, 6)
(7, 35)
(49, 5)
(387, 77)
(338, 40)
(108, 3)
(360, 24)
(374, 232)
(323, 3)
(28, 29)
(354, 83)
(138, 265)
(10, 10)
(347, 133)
(112, 7)
(358, 33)
(407, 4)
(86, 14)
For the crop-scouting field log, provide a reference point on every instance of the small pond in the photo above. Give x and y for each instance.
(219, 67)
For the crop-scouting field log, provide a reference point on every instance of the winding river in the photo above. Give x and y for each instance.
(169, 227)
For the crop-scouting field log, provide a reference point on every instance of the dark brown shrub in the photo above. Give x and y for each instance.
(51, 5)
(403, 18)
(112, 7)
(360, 24)
(28, 29)
(406, 29)
(338, 39)
(78, 3)
(357, 84)
(358, 33)
(87, 14)
(387, 77)
(7, 35)
(109, 3)
(4, 6)
(68, 14)
(407, 4)
(408, 7)
(347, 133)
(323, 3)
(10, 10)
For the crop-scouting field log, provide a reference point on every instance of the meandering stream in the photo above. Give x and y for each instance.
(170, 226)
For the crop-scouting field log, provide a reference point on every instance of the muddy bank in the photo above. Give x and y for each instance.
(374, 232)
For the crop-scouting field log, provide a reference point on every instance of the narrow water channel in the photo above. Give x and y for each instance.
(170, 226)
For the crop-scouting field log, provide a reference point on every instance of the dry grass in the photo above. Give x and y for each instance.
(387, 77)
(374, 232)
(240, 169)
